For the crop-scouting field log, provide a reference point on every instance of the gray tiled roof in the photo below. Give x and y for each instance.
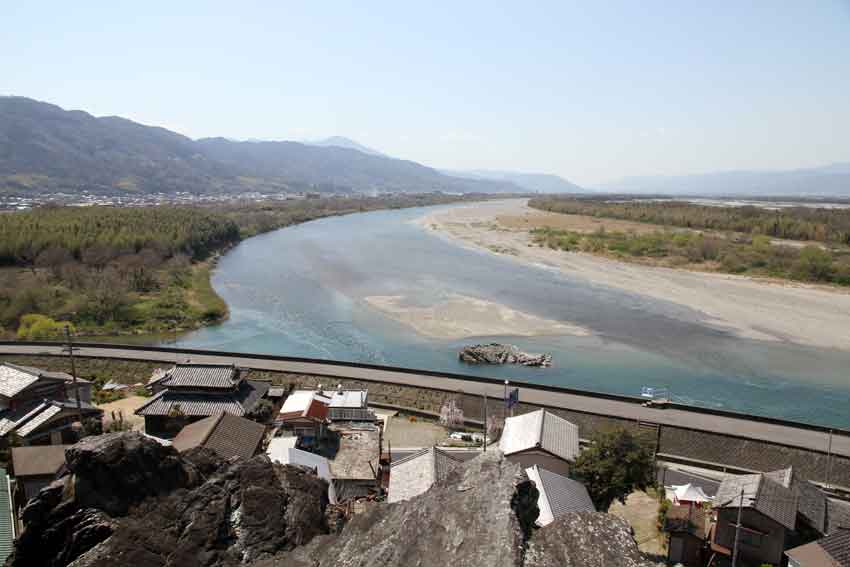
(15, 379)
(239, 402)
(226, 434)
(26, 419)
(201, 376)
(564, 494)
(811, 504)
(837, 545)
(760, 493)
(837, 515)
(540, 429)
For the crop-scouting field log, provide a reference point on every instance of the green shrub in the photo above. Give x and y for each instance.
(35, 327)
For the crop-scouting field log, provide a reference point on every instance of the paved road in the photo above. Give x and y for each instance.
(781, 434)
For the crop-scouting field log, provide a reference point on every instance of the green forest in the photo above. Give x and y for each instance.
(795, 223)
(143, 270)
(738, 240)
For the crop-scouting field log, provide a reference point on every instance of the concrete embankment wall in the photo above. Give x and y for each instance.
(719, 450)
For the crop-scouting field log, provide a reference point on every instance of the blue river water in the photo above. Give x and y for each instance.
(300, 291)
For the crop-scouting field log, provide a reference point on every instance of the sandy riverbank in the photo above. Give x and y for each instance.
(460, 316)
(798, 313)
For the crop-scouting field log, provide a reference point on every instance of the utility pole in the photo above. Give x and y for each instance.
(485, 420)
(829, 459)
(70, 348)
(737, 529)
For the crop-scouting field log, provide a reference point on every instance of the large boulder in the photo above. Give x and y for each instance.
(585, 539)
(479, 515)
(127, 500)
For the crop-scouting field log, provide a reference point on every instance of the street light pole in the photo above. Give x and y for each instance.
(737, 529)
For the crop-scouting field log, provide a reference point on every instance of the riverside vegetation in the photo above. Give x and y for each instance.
(737, 240)
(114, 271)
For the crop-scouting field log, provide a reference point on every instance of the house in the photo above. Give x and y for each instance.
(190, 392)
(349, 405)
(304, 414)
(685, 526)
(768, 516)
(282, 450)
(355, 458)
(557, 495)
(415, 473)
(226, 434)
(22, 385)
(46, 422)
(7, 518)
(34, 468)
(831, 551)
(540, 438)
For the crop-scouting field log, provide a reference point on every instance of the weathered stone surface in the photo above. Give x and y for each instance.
(585, 539)
(495, 353)
(467, 520)
(130, 501)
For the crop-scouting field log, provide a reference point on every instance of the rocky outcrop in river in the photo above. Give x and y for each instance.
(495, 353)
(129, 501)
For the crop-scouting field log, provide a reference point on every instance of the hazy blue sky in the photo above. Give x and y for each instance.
(591, 91)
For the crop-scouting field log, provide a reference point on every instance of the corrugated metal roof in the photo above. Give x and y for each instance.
(7, 522)
(201, 376)
(760, 493)
(239, 402)
(540, 429)
(558, 495)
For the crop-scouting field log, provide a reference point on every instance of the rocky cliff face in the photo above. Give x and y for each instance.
(129, 501)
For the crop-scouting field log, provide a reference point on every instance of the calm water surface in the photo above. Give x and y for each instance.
(299, 291)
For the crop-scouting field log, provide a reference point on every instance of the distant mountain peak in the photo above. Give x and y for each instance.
(343, 142)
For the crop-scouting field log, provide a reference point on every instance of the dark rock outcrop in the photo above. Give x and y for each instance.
(495, 353)
(129, 501)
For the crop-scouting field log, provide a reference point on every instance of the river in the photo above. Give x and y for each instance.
(301, 291)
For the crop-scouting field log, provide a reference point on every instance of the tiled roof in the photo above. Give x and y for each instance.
(811, 504)
(540, 429)
(226, 434)
(219, 376)
(837, 545)
(558, 495)
(38, 460)
(416, 473)
(14, 379)
(837, 515)
(7, 525)
(27, 419)
(239, 402)
(760, 493)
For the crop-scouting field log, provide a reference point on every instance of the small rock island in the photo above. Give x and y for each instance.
(495, 353)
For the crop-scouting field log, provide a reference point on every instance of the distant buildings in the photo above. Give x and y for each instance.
(189, 392)
(540, 438)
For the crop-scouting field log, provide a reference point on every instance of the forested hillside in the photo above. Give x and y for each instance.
(108, 270)
(44, 148)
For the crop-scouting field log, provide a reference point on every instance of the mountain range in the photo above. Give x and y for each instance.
(46, 149)
(534, 182)
(829, 180)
